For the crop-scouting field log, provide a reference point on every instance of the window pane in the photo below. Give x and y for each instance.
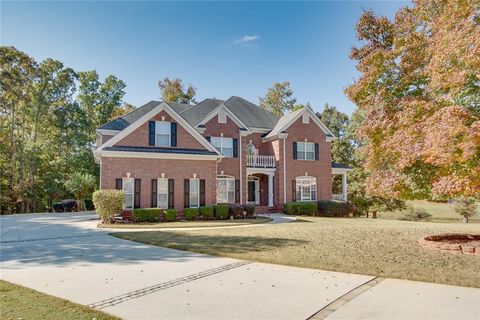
(216, 142)
(227, 152)
(162, 127)
(310, 147)
(300, 155)
(194, 200)
(128, 201)
(227, 142)
(163, 140)
(128, 185)
(194, 185)
(163, 201)
(231, 196)
(310, 155)
(221, 191)
(162, 185)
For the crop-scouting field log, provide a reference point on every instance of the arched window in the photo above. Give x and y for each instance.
(251, 150)
(225, 189)
(306, 188)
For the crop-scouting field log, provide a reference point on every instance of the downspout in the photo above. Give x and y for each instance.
(241, 165)
(284, 172)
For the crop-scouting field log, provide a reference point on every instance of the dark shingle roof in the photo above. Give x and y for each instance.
(250, 114)
(198, 112)
(340, 165)
(160, 150)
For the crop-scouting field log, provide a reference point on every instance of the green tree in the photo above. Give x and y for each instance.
(173, 90)
(278, 99)
(466, 207)
(81, 185)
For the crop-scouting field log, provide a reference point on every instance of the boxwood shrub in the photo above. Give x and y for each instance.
(146, 215)
(206, 212)
(108, 203)
(250, 209)
(170, 215)
(301, 208)
(190, 213)
(236, 211)
(332, 208)
(221, 212)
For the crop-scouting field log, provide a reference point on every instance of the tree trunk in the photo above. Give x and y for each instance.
(465, 219)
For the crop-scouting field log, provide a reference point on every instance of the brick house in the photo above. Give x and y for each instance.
(172, 155)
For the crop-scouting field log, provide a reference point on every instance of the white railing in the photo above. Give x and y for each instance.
(339, 197)
(259, 161)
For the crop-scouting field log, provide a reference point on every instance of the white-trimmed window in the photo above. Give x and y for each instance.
(128, 185)
(194, 193)
(162, 193)
(224, 145)
(305, 151)
(162, 133)
(225, 189)
(306, 188)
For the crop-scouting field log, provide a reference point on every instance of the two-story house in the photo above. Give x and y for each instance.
(172, 155)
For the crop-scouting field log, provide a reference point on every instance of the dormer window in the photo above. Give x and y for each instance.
(162, 133)
(305, 118)
(222, 117)
(224, 145)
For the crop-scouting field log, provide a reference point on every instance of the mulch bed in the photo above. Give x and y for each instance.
(468, 244)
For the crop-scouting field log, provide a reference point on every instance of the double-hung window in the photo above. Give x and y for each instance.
(162, 193)
(225, 189)
(306, 188)
(128, 188)
(194, 193)
(305, 151)
(224, 145)
(162, 133)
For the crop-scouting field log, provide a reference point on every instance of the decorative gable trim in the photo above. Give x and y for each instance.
(163, 106)
(216, 111)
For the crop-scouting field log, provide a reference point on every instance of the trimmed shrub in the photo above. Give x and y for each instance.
(250, 209)
(206, 212)
(170, 215)
(300, 208)
(190, 213)
(89, 204)
(146, 215)
(221, 212)
(69, 205)
(236, 211)
(108, 203)
(57, 206)
(332, 208)
(416, 214)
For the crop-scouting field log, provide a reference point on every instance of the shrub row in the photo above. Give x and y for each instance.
(307, 208)
(322, 208)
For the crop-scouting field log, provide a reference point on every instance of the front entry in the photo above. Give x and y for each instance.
(253, 195)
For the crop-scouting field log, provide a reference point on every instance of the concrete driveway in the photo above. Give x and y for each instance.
(66, 256)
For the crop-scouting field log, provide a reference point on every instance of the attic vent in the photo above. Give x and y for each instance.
(306, 118)
(222, 117)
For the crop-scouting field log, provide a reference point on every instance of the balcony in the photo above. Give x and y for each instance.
(260, 161)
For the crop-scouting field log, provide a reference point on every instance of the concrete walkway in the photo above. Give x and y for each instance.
(63, 255)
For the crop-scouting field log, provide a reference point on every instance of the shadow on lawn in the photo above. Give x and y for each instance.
(208, 244)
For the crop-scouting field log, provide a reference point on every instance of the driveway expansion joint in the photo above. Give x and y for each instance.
(165, 285)
(56, 238)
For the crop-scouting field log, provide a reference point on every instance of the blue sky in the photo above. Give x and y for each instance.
(222, 48)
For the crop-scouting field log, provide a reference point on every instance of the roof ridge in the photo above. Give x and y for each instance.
(126, 114)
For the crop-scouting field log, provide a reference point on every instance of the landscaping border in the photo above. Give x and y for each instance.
(443, 243)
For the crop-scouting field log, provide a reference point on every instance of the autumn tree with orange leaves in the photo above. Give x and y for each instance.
(419, 92)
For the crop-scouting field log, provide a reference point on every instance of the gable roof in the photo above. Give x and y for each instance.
(250, 114)
(196, 114)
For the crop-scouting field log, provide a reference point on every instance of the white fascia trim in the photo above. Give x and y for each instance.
(315, 119)
(161, 106)
(340, 170)
(281, 135)
(259, 130)
(268, 171)
(107, 132)
(215, 111)
(151, 155)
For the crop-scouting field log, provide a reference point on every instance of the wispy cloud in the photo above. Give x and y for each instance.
(247, 40)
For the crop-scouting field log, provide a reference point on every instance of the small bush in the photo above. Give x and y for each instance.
(250, 209)
(236, 211)
(57, 206)
(332, 208)
(206, 212)
(89, 205)
(170, 215)
(221, 212)
(190, 213)
(108, 203)
(416, 214)
(300, 208)
(69, 205)
(146, 215)
(465, 207)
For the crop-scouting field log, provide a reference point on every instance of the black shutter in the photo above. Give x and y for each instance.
(202, 192)
(118, 183)
(294, 191)
(235, 148)
(151, 133)
(208, 139)
(136, 198)
(171, 194)
(154, 193)
(173, 134)
(237, 191)
(316, 151)
(186, 193)
(294, 150)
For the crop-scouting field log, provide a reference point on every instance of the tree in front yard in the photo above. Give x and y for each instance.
(81, 185)
(466, 207)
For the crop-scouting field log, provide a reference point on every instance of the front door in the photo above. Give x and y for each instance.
(251, 191)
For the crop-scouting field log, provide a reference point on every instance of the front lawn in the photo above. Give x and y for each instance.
(18, 302)
(187, 224)
(385, 248)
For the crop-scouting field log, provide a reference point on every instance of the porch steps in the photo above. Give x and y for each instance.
(265, 209)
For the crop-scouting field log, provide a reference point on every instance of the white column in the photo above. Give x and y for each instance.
(270, 190)
(344, 186)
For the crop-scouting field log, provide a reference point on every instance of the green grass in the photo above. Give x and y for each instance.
(18, 302)
(385, 248)
(441, 212)
(187, 224)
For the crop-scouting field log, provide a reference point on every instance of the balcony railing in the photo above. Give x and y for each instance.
(339, 196)
(259, 161)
